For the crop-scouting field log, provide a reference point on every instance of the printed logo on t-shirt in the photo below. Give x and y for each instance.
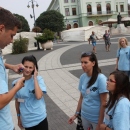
(92, 89)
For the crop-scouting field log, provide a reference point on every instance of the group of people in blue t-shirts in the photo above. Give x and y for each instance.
(104, 103)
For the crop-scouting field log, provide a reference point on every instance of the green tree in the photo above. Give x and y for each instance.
(24, 22)
(52, 20)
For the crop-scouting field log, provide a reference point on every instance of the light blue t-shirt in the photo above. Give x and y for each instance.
(91, 96)
(6, 122)
(124, 58)
(118, 118)
(32, 110)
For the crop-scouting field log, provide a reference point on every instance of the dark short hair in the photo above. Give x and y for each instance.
(8, 19)
(96, 69)
(31, 59)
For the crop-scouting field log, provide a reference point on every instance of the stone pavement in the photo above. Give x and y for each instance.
(61, 69)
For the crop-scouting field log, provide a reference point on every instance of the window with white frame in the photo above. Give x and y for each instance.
(116, 8)
(89, 9)
(65, 1)
(99, 9)
(121, 8)
(74, 11)
(72, 1)
(108, 8)
(67, 12)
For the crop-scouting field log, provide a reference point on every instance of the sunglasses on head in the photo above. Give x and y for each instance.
(87, 53)
(110, 80)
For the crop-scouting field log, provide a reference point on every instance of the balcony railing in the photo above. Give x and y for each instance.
(109, 12)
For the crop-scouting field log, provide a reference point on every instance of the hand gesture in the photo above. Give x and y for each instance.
(35, 72)
(71, 119)
(20, 123)
(17, 68)
(20, 83)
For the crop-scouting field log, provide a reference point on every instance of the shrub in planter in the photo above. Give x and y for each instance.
(36, 29)
(20, 45)
(47, 35)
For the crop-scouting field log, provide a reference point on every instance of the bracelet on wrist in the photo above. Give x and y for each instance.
(18, 114)
(76, 114)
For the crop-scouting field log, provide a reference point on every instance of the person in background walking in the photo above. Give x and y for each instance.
(117, 115)
(109, 33)
(9, 25)
(123, 56)
(93, 38)
(29, 101)
(93, 93)
(106, 38)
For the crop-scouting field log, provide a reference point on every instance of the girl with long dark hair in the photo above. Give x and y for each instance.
(93, 93)
(29, 101)
(117, 115)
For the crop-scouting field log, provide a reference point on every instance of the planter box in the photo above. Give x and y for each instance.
(47, 46)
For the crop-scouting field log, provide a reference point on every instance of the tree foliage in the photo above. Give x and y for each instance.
(52, 20)
(36, 29)
(24, 22)
(46, 36)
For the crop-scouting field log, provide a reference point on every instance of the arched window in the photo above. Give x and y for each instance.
(90, 23)
(108, 8)
(89, 9)
(68, 26)
(99, 21)
(75, 25)
(99, 10)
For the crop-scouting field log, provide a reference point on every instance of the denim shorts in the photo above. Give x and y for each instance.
(94, 43)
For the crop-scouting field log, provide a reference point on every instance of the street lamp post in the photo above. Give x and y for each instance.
(32, 4)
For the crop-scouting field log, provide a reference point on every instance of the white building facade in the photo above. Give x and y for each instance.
(80, 13)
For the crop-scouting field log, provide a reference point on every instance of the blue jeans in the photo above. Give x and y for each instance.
(94, 43)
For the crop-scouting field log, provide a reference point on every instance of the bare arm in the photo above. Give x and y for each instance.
(97, 38)
(71, 119)
(17, 104)
(15, 68)
(103, 98)
(117, 59)
(7, 97)
(79, 103)
(38, 91)
(103, 37)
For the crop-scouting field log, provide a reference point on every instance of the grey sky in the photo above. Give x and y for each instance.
(20, 7)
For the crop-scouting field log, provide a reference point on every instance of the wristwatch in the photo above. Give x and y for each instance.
(76, 113)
